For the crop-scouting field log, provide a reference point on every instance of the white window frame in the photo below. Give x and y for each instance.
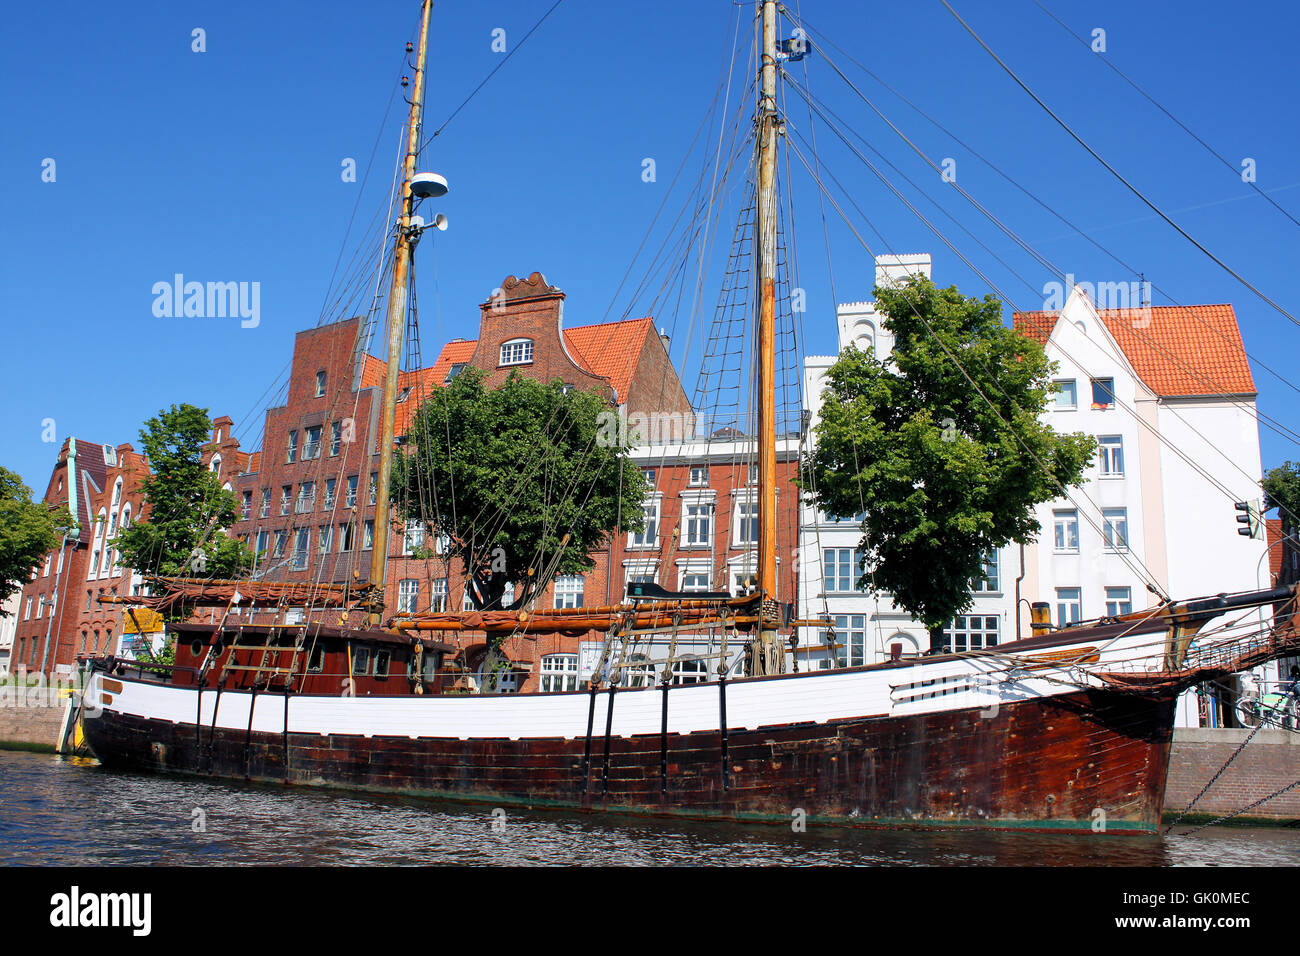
(408, 595)
(559, 673)
(570, 591)
(516, 352)
(648, 538)
(1063, 521)
(693, 523)
(1069, 606)
(1119, 601)
(971, 632)
(746, 511)
(1114, 529)
(1057, 404)
(699, 476)
(1110, 455)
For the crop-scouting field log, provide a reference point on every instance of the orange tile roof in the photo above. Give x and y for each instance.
(254, 463)
(1176, 350)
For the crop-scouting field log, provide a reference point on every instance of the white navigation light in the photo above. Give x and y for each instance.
(428, 186)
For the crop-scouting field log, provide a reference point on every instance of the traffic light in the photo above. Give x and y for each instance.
(1249, 524)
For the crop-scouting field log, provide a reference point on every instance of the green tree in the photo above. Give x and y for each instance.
(524, 480)
(1282, 491)
(29, 530)
(188, 509)
(941, 472)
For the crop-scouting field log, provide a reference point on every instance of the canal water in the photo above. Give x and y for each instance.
(70, 811)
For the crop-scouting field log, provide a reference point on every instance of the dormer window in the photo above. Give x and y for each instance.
(320, 384)
(456, 369)
(517, 352)
(403, 395)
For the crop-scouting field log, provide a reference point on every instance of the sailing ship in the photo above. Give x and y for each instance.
(1057, 731)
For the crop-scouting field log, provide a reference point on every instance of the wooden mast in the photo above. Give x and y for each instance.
(397, 298)
(768, 657)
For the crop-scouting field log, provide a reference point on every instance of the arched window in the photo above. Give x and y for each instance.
(215, 465)
(98, 547)
(864, 335)
(517, 352)
(117, 493)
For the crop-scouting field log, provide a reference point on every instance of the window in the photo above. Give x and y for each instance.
(49, 559)
(841, 568)
(311, 447)
(336, 437)
(640, 576)
(278, 551)
(382, 659)
(301, 544)
(374, 486)
(559, 673)
(699, 476)
(266, 503)
(414, 536)
(746, 522)
(651, 474)
(325, 538)
(40, 606)
(345, 536)
(456, 369)
(695, 580)
(262, 537)
(1103, 392)
(648, 537)
(330, 485)
(293, 447)
(438, 599)
(1111, 452)
(1066, 526)
(360, 665)
(246, 507)
(753, 474)
(368, 536)
(699, 521)
(690, 672)
(972, 632)
(320, 384)
(988, 583)
(1067, 394)
(89, 596)
(350, 499)
(850, 636)
(1119, 601)
(1114, 528)
(1069, 606)
(286, 495)
(517, 352)
(408, 595)
(306, 497)
(569, 590)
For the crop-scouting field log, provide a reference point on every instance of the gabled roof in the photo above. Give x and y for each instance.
(607, 349)
(1176, 350)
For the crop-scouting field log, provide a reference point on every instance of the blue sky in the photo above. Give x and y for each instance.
(225, 166)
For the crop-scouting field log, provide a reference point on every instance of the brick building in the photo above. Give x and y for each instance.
(59, 615)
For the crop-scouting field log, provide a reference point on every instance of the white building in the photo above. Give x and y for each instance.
(8, 627)
(1168, 393)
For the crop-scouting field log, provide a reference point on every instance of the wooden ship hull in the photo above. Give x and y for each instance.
(1008, 740)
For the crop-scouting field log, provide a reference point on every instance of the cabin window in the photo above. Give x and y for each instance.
(316, 659)
(430, 665)
(517, 352)
(382, 659)
(360, 661)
